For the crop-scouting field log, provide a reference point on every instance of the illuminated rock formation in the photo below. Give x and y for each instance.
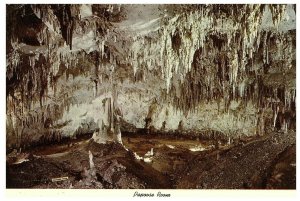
(78, 69)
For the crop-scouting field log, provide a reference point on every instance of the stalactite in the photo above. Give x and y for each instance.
(201, 57)
(277, 13)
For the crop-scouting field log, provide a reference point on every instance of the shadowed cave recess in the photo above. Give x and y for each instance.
(151, 96)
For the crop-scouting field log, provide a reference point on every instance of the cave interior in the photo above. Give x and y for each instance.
(152, 96)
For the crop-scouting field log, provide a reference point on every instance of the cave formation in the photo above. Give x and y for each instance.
(151, 96)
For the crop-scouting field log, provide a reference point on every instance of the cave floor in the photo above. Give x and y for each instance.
(259, 163)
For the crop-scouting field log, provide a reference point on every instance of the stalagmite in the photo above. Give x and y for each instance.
(215, 73)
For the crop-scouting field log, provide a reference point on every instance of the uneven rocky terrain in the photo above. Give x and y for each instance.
(260, 162)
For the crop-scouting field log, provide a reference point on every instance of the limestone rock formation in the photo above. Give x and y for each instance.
(87, 69)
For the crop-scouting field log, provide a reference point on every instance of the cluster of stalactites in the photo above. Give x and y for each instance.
(74, 25)
(51, 35)
(270, 88)
(62, 20)
(45, 13)
(184, 34)
(21, 126)
(277, 13)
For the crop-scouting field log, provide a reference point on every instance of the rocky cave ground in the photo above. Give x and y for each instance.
(250, 163)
